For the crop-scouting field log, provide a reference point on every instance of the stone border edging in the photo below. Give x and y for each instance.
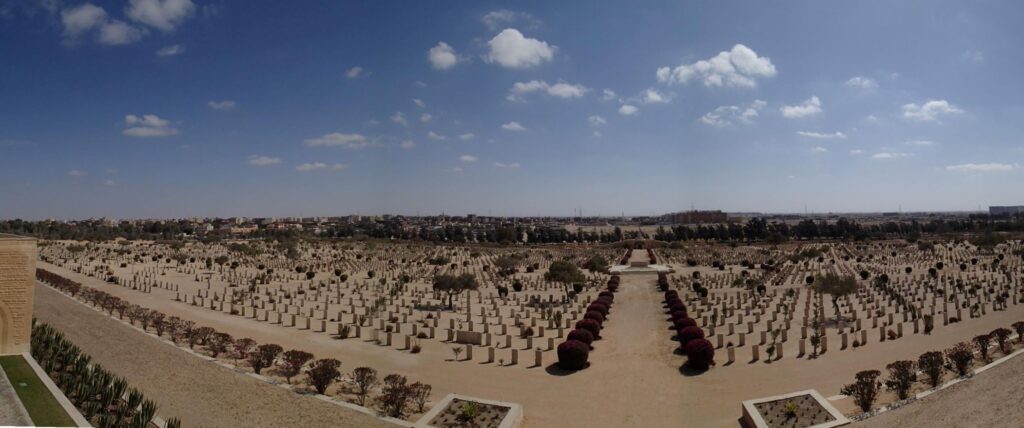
(513, 419)
(56, 392)
(18, 404)
(750, 411)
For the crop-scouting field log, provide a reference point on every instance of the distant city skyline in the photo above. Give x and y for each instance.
(157, 109)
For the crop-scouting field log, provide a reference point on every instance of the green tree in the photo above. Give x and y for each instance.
(454, 285)
(836, 286)
(565, 273)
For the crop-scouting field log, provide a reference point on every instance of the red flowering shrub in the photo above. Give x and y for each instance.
(700, 354)
(572, 355)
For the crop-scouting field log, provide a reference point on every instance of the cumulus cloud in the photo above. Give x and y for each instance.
(419, 103)
(314, 166)
(435, 136)
(628, 110)
(468, 158)
(608, 95)
(856, 152)
(596, 120)
(560, 89)
(425, 117)
(257, 160)
(860, 82)
(222, 105)
(77, 173)
(337, 139)
(728, 115)
(467, 136)
(513, 165)
(819, 149)
(171, 50)
(354, 72)
(981, 167)
(162, 14)
(147, 125)
(738, 67)
(399, 118)
(408, 144)
(513, 126)
(442, 56)
(511, 49)
(809, 107)
(496, 19)
(973, 56)
(930, 111)
(651, 96)
(890, 155)
(821, 136)
(88, 18)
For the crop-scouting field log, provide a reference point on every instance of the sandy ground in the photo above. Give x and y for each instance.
(991, 399)
(199, 392)
(634, 379)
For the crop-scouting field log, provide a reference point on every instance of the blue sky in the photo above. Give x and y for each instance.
(166, 108)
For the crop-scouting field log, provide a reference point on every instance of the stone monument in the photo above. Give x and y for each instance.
(17, 288)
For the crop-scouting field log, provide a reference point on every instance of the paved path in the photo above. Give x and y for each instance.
(12, 412)
(199, 392)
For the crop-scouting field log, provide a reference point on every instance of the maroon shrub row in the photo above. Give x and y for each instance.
(574, 352)
(700, 355)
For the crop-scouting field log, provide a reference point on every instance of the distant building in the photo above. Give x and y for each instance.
(1007, 210)
(690, 217)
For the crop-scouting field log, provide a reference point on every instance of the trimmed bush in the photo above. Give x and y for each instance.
(683, 323)
(590, 325)
(594, 315)
(599, 307)
(581, 335)
(572, 355)
(700, 355)
(678, 315)
(689, 333)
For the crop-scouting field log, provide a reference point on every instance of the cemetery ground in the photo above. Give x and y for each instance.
(635, 376)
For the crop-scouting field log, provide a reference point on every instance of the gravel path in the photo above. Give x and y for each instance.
(197, 391)
(991, 399)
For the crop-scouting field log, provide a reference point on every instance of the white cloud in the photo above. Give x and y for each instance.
(468, 158)
(819, 149)
(171, 50)
(890, 155)
(496, 19)
(652, 96)
(108, 182)
(467, 136)
(821, 136)
(919, 143)
(354, 72)
(314, 166)
(419, 103)
(442, 56)
(981, 167)
(608, 95)
(425, 117)
(511, 49)
(147, 125)
(596, 120)
(435, 136)
(162, 14)
(739, 67)
(257, 160)
(728, 115)
(856, 152)
(81, 19)
(628, 110)
(399, 118)
(861, 82)
(809, 107)
(408, 144)
(513, 126)
(77, 173)
(513, 165)
(929, 111)
(560, 89)
(222, 105)
(337, 139)
(116, 33)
